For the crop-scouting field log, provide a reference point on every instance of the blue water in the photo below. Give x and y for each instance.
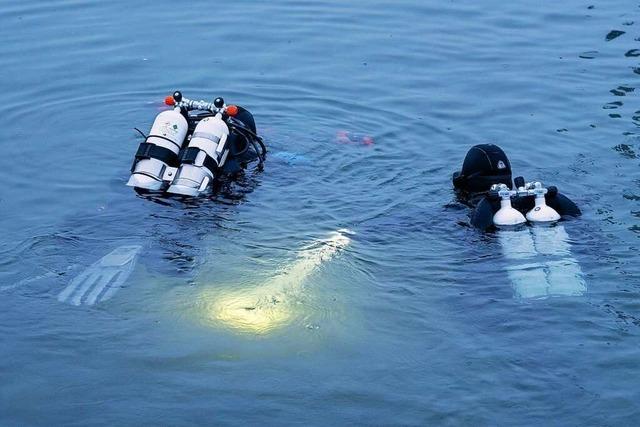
(416, 322)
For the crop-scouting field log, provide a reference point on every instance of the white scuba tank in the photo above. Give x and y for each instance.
(507, 215)
(207, 151)
(541, 212)
(168, 132)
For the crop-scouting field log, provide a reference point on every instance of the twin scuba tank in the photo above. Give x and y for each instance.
(185, 162)
(485, 183)
(507, 215)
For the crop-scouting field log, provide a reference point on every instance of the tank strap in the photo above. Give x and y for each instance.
(206, 135)
(152, 151)
(189, 154)
(164, 138)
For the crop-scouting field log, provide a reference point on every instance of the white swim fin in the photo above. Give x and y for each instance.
(102, 279)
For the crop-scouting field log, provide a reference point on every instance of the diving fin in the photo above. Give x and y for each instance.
(102, 279)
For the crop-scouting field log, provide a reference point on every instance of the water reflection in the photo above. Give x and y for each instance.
(540, 263)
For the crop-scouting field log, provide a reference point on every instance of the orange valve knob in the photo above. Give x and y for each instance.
(232, 110)
(169, 100)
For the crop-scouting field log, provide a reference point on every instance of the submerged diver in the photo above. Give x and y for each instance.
(539, 261)
(485, 184)
(189, 150)
(191, 146)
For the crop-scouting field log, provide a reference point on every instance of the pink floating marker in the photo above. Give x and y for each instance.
(342, 137)
(346, 137)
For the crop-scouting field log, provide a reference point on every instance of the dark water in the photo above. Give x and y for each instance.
(417, 321)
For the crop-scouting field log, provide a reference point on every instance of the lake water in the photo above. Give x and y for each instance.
(419, 319)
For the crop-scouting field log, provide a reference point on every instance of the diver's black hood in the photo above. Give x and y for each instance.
(484, 165)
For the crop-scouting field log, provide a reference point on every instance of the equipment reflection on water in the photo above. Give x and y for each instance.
(260, 309)
(540, 262)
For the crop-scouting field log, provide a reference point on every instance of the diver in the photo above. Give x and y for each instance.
(485, 184)
(538, 260)
(195, 144)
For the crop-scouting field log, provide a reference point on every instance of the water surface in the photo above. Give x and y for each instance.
(416, 321)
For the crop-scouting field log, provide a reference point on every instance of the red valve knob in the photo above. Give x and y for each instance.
(232, 110)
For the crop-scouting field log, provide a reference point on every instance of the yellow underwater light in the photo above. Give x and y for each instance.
(264, 308)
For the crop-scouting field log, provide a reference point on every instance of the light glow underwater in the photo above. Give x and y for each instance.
(263, 308)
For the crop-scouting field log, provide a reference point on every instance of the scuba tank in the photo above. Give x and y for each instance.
(541, 212)
(159, 151)
(202, 157)
(506, 215)
(194, 144)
